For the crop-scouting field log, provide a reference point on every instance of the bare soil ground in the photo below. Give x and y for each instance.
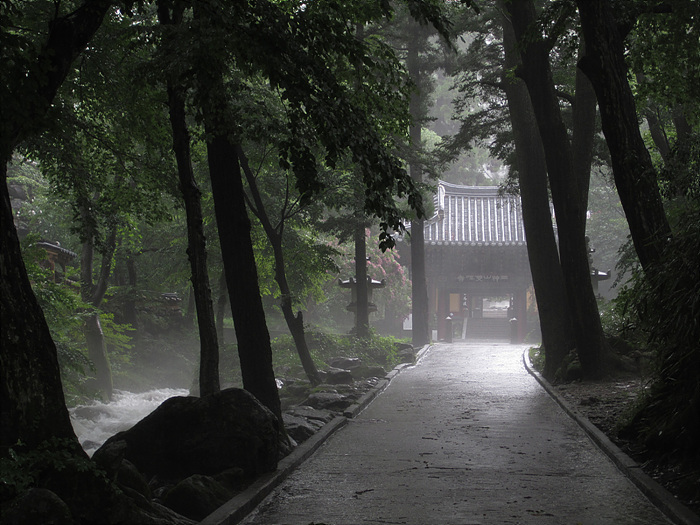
(607, 404)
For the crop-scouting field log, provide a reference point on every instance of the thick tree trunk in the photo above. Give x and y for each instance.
(420, 334)
(571, 216)
(196, 240)
(196, 249)
(295, 323)
(254, 348)
(221, 307)
(634, 173)
(547, 277)
(583, 133)
(188, 320)
(361, 285)
(32, 405)
(33, 408)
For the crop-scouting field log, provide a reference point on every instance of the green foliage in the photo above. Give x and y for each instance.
(344, 96)
(23, 469)
(664, 47)
(393, 301)
(664, 306)
(376, 349)
(65, 314)
(536, 356)
(63, 309)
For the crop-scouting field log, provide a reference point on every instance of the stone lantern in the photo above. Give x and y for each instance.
(352, 284)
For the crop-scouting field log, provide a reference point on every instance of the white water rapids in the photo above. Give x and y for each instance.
(96, 422)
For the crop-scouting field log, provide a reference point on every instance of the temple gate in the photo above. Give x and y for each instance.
(477, 268)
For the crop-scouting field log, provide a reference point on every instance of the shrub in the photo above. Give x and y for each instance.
(663, 305)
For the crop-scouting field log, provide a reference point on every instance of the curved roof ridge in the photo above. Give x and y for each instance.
(475, 214)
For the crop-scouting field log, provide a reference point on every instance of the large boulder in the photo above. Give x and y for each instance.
(338, 376)
(328, 401)
(190, 435)
(365, 371)
(405, 353)
(314, 416)
(128, 476)
(38, 506)
(345, 363)
(298, 428)
(197, 496)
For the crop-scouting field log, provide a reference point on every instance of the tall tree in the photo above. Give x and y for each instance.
(420, 330)
(569, 208)
(286, 46)
(106, 162)
(275, 234)
(361, 277)
(547, 277)
(196, 241)
(33, 406)
(93, 293)
(253, 337)
(635, 177)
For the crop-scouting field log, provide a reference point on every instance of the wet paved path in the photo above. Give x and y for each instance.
(465, 437)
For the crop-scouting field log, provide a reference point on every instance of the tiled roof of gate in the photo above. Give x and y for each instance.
(475, 215)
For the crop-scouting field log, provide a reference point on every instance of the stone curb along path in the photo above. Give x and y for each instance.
(659, 496)
(242, 504)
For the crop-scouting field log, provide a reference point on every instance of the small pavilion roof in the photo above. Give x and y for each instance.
(476, 216)
(62, 255)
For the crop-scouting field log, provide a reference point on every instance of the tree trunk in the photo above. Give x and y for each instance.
(583, 133)
(547, 277)
(221, 307)
(97, 353)
(420, 330)
(573, 252)
(130, 315)
(33, 408)
(296, 328)
(635, 177)
(680, 122)
(254, 349)
(188, 320)
(294, 323)
(196, 247)
(94, 293)
(657, 132)
(196, 240)
(361, 284)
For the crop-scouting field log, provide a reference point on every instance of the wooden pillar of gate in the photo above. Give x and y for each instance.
(443, 308)
(520, 312)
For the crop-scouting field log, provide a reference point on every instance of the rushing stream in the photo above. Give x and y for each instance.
(96, 422)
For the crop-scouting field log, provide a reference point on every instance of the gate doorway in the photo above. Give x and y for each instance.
(479, 317)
